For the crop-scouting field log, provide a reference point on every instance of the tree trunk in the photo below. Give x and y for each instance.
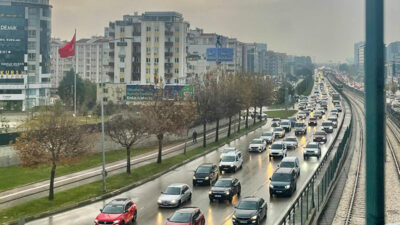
(128, 160)
(160, 140)
(260, 113)
(204, 134)
(255, 115)
(52, 176)
(187, 134)
(247, 118)
(217, 131)
(229, 126)
(240, 115)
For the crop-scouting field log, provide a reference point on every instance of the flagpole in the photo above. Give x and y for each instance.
(75, 79)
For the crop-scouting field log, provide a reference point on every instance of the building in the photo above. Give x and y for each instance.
(148, 48)
(91, 61)
(24, 53)
(361, 59)
(276, 63)
(393, 59)
(356, 52)
(115, 93)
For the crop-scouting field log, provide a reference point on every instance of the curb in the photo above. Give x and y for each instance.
(131, 186)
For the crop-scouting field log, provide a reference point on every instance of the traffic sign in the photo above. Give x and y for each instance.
(219, 54)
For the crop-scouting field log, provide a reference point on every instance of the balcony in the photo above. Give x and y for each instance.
(168, 54)
(168, 76)
(168, 65)
(136, 33)
(169, 44)
(169, 33)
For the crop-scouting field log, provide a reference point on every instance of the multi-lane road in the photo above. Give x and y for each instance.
(254, 178)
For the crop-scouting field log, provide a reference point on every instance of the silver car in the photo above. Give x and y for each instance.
(175, 195)
(291, 142)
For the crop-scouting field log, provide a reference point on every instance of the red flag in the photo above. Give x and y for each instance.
(68, 49)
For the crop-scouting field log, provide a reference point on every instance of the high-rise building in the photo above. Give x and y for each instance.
(356, 52)
(276, 63)
(148, 48)
(24, 53)
(393, 59)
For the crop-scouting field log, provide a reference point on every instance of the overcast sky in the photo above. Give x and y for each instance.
(323, 29)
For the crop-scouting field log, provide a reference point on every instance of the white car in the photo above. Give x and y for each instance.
(277, 149)
(291, 142)
(227, 151)
(257, 145)
(175, 195)
(279, 132)
(268, 137)
(231, 162)
(287, 125)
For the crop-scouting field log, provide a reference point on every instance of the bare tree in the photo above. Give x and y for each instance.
(126, 130)
(53, 136)
(230, 97)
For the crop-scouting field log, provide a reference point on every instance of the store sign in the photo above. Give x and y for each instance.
(146, 92)
(13, 40)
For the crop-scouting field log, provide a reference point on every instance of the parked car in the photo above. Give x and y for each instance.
(320, 136)
(206, 173)
(227, 151)
(327, 126)
(279, 132)
(300, 128)
(334, 120)
(257, 145)
(286, 124)
(291, 142)
(312, 149)
(187, 216)
(312, 121)
(175, 195)
(250, 210)
(283, 182)
(231, 162)
(121, 209)
(277, 149)
(291, 162)
(268, 137)
(276, 122)
(225, 189)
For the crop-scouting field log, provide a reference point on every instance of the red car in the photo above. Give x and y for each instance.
(187, 216)
(120, 211)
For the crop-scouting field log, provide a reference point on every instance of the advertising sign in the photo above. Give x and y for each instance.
(219, 54)
(146, 92)
(13, 40)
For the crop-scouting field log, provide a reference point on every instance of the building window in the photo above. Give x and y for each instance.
(122, 80)
(177, 29)
(156, 60)
(104, 99)
(148, 60)
(31, 45)
(122, 59)
(176, 39)
(147, 70)
(177, 60)
(147, 80)
(31, 56)
(177, 50)
(157, 39)
(148, 28)
(121, 70)
(105, 90)
(176, 70)
(148, 39)
(155, 50)
(31, 33)
(157, 28)
(122, 29)
(31, 92)
(156, 71)
(148, 50)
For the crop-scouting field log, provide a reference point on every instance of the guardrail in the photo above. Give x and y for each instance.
(305, 206)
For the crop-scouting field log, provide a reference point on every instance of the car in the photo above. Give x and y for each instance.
(324, 105)
(187, 216)
(300, 128)
(321, 109)
(268, 137)
(292, 120)
(258, 145)
(277, 149)
(327, 126)
(334, 120)
(291, 162)
(302, 106)
(226, 151)
(301, 115)
(312, 121)
(118, 211)
(318, 114)
(206, 173)
(291, 142)
(312, 149)
(174, 195)
(250, 210)
(306, 111)
(279, 132)
(263, 116)
(283, 182)
(286, 124)
(225, 189)
(334, 111)
(339, 108)
(276, 122)
(231, 162)
(320, 136)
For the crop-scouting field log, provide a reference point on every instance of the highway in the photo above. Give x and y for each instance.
(254, 178)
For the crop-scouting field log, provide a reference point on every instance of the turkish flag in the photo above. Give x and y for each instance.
(68, 49)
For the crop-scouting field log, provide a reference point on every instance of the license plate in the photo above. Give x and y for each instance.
(218, 196)
(200, 181)
(278, 191)
(242, 221)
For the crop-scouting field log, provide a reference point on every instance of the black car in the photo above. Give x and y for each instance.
(283, 182)
(320, 136)
(250, 210)
(225, 189)
(206, 173)
(312, 121)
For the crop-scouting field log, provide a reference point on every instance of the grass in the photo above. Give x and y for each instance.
(72, 196)
(280, 106)
(281, 114)
(19, 175)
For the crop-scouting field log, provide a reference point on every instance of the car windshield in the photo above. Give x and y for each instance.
(332, 119)
(312, 146)
(326, 123)
(228, 158)
(286, 164)
(313, 118)
(248, 205)
(203, 170)
(290, 139)
(227, 150)
(276, 146)
(299, 125)
(275, 120)
(267, 134)
(180, 217)
(278, 129)
(113, 209)
(319, 133)
(285, 123)
(223, 183)
(281, 177)
(256, 142)
(172, 191)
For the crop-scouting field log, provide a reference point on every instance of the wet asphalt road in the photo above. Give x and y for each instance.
(254, 178)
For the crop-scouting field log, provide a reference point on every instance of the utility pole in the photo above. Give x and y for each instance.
(286, 93)
(75, 77)
(104, 172)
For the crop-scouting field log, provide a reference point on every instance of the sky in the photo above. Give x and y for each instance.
(326, 30)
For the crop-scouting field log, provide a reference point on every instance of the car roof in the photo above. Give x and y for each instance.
(231, 153)
(251, 198)
(289, 159)
(278, 142)
(326, 121)
(206, 165)
(257, 139)
(227, 178)
(289, 137)
(283, 170)
(312, 143)
(285, 121)
(119, 201)
(187, 210)
(230, 148)
(177, 185)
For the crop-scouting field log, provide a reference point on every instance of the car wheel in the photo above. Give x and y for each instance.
(203, 223)
(190, 197)
(258, 222)
(305, 157)
(234, 169)
(134, 217)
(179, 203)
(239, 190)
(271, 195)
(211, 199)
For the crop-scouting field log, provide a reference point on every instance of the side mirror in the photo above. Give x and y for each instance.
(162, 192)
(270, 178)
(101, 210)
(168, 219)
(278, 166)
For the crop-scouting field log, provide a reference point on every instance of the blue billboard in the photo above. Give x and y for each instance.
(219, 54)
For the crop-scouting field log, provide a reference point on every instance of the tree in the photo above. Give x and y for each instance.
(90, 94)
(263, 93)
(344, 67)
(66, 89)
(247, 94)
(126, 130)
(230, 97)
(53, 136)
(280, 99)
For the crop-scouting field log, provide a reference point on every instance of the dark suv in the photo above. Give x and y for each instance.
(225, 189)
(283, 182)
(250, 210)
(206, 173)
(312, 121)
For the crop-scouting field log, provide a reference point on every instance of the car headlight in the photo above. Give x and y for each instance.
(254, 217)
(116, 221)
(173, 201)
(231, 165)
(271, 186)
(287, 186)
(330, 127)
(194, 178)
(159, 201)
(233, 217)
(206, 178)
(96, 221)
(227, 192)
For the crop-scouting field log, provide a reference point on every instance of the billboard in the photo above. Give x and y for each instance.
(146, 92)
(219, 54)
(13, 40)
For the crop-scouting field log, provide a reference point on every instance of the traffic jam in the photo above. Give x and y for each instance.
(290, 144)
